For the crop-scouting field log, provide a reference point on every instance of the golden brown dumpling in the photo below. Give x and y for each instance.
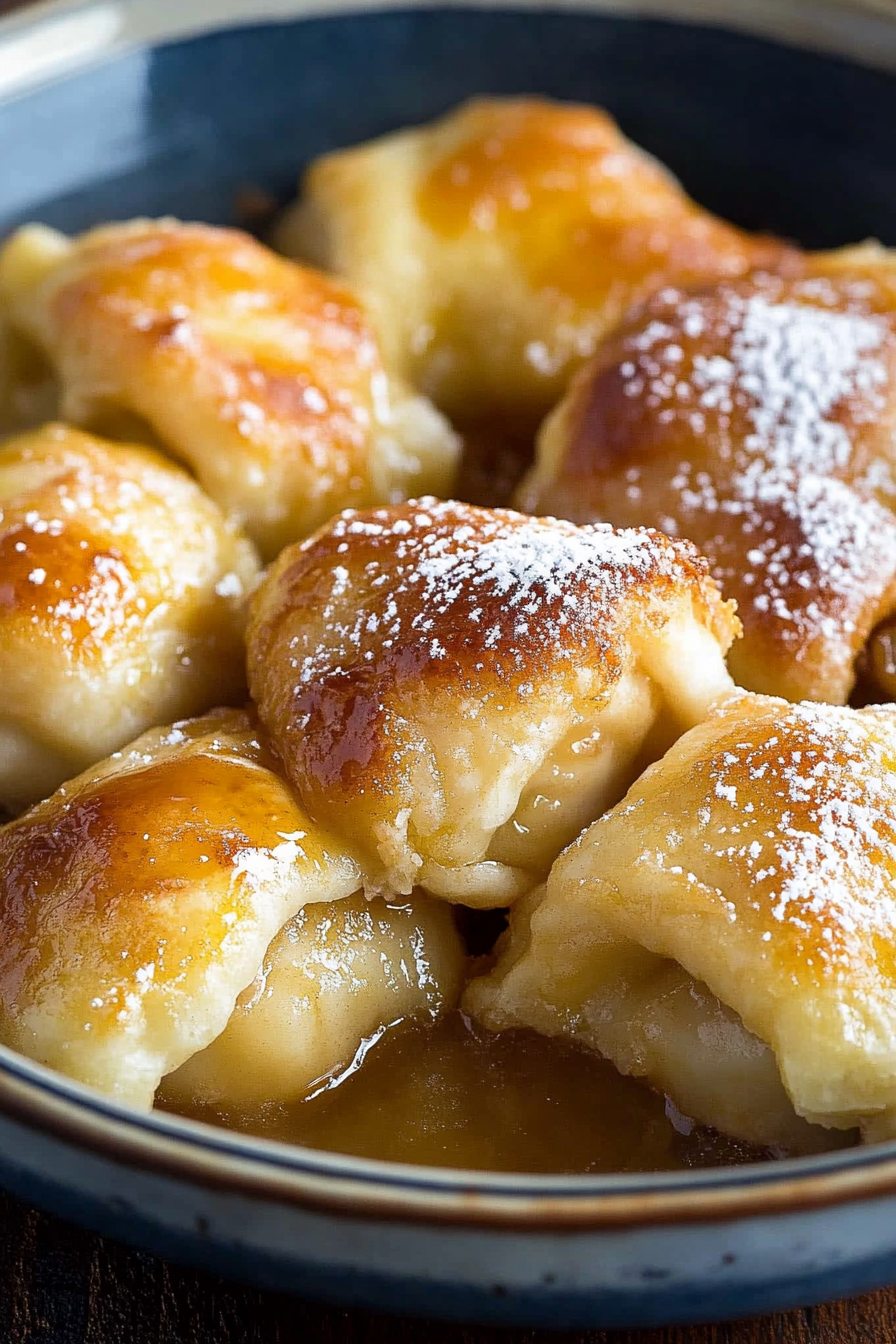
(137, 903)
(122, 603)
(498, 245)
(728, 927)
(262, 376)
(461, 690)
(757, 418)
(333, 980)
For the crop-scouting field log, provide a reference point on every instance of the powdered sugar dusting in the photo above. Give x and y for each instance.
(807, 809)
(450, 581)
(775, 396)
(792, 366)
(813, 577)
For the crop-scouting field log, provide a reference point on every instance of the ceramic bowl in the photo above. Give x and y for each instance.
(111, 110)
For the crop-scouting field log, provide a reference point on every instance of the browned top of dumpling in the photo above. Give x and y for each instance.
(391, 629)
(137, 902)
(757, 418)
(187, 294)
(123, 594)
(586, 212)
(797, 805)
(120, 853)
(96, 537)
(263, 375)
(771, 829)
(760, 855)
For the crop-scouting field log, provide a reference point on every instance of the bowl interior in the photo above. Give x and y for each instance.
(767, 135)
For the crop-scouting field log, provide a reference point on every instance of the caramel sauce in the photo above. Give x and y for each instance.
(454, 1095)
(586, 213)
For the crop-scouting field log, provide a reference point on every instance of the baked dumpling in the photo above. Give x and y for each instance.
(333, 980)
(462, 690)
(138, 902)
(727, 930)
(264, 377)
(497, 245)
(123, 594)
(758, 418)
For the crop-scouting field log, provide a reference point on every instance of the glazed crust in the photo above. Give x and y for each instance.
(757, 418)
(123, 595)
(498, 245)
(263, 376)
(138, 902)
(461, 690)
(752, 872)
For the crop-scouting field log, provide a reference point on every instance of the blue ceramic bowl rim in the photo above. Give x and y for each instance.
(49, 1103)
(54, 38)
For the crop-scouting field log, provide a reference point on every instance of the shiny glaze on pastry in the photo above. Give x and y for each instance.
(335, 978)
(756, 418)
(497, 245)
(263, 376)
(138, 901)
(461, 690)
(728, 927)
(122, 603)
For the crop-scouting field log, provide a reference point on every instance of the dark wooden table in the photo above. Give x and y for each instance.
(60, 1285)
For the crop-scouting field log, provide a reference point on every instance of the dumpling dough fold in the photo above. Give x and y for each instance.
(123, 596)
(497, 245)
(756, 417)
(726, 931)
(263, 376)
(138, 902)
(462, 690)
(333, 980)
